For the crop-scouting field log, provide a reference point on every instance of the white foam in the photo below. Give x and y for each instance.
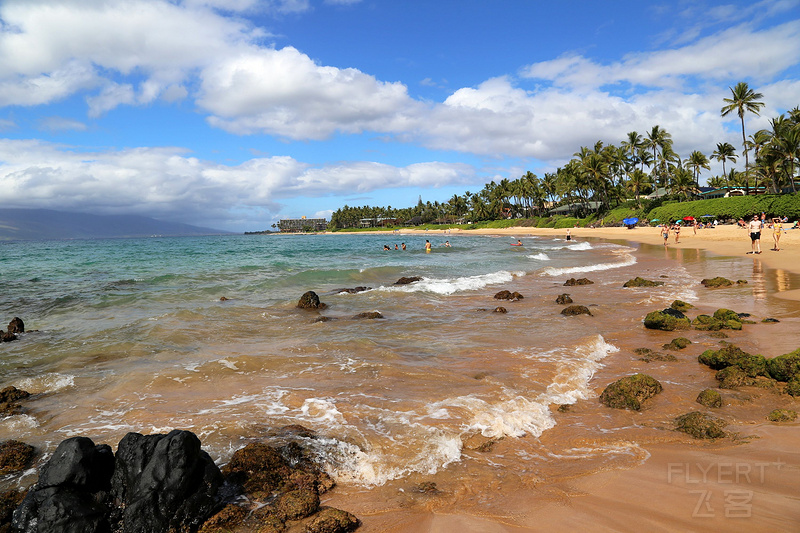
(452, 285)
(627, 260)
(540, 256)
(571, 383)
(50, 382)
(578, 246)
(18, 424)
(321, 411)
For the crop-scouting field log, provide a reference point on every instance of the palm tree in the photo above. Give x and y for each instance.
(697, 160)
(637, 182)
(743, 99)
(724, 152)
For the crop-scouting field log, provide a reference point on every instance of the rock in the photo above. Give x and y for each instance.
(782, 415)
(641, 282)
(574, 310)
(225, 520)
(9, 398)
(716, 282)
(678, 343)
(7, 336)
(629, 392)
(368, 315)
(15, 456)
(508, 295)
(701, 425)
(325, 319)
(732, 376)
(9, 500)
(330, 520)
(785, 367)
(500, 309)
(563, 299)
(164, 483)
(16, 325)
(731, 355)
(223, 298)
(571, 282)
(709, 398)
(406, 280)
(426, 487)
(681, 306)
(310, 300)
(68, 495)
(297, 504)
(770, 321)
(793, 387)
(354, 290)
(651, 356)
(666, 321)
(259, 469)
(709, 323)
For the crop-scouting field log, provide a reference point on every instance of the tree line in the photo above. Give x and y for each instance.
(603, 176)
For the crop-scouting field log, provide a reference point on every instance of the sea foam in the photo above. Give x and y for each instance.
(452, 285)
(627, 259)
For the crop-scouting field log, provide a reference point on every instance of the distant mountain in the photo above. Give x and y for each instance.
(36, 224)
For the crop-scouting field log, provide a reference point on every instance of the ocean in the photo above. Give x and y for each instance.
(134, 335)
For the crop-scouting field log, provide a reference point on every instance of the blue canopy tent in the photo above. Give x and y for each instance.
(630, 222)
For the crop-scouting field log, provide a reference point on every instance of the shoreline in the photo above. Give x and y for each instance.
(736, 484)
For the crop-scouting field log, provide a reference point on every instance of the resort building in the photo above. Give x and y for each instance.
(302, 224)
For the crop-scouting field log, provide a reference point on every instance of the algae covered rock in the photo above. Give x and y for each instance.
(330, 520)
(722, 319)
(310, 300)
(731, 355)
(15, 456)
(641, 282)
(666, 320)
(678, 343)
(563, 299)
(709, 398)
(574, 310)
(629, 392)
(731, 377)
(571, 282)
(785, 367)
(793, 387)
(782, 415)
(649, 355)
(680, 305)
(701, 425)
(508, 295)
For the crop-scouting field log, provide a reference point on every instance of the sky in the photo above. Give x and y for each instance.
(234, 114)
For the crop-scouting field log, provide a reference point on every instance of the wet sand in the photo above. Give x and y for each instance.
(746, 482)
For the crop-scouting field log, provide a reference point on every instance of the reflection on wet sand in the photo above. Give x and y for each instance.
(759, 285)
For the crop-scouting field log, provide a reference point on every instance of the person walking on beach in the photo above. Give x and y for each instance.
(777, 229)
(677, 230)
(755, 235)
(665, 233)
(569, 237)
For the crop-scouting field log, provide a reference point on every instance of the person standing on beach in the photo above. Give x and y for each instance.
(677, 230)
(777, 229)
(755, 235)
(569, 237)
(665, 233)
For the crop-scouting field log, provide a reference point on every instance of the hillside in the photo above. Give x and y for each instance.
(36, 224)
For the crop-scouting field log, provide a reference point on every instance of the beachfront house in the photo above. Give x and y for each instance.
(302, 225)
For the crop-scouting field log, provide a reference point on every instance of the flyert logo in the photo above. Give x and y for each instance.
(721, 487)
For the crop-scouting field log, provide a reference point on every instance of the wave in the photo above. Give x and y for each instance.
(50, 382)
(627, 260)
(540, 256)
(578, 246)
(452, 285)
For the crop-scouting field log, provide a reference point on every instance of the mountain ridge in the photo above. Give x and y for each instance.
(46, 224)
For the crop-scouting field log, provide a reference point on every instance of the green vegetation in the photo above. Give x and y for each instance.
(605, 183)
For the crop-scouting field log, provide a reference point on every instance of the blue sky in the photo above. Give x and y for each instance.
(233, 114)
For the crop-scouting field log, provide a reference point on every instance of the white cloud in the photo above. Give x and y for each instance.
(167, 183)
(56, 124)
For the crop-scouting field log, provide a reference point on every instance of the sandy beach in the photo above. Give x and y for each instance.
(746, 483)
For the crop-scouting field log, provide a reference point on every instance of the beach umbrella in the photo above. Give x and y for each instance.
(654, 220)
(688, 219)
(707, 216)
(630, 221)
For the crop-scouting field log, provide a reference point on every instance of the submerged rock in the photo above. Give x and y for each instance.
(641, 282)
(368, 315)
(709, 398)
(770, 321)
(354, 290)
(310, 300)
(16, 325)
(629, 392)
(500, 309)
(15, 456)
(563, 299)
(572, 282)
(330, 520)
(680, 305)
(678, 343)
(732, 376)
(732, 355)
(574, 310)
(405, 280)
(701, 425)
(508, 295)
(719, 281)
(9, 398)
(666, 320)
(782, 415)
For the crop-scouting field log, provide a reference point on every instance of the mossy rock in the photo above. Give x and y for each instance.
(709, 398)
(708, 323)
(793, 387)
(678, 343)
(782, 415)
(785, 367)
(718, 281)
(770, 321)
(629, 392)
(297, 504)
(665, 321)
(732, 376)
(680, 305)
(731, 355)
(572, 282)
(226, 520)
(330, 520)
(641, 282)
(701, 425)
(563, 299)
(574, 310)
(15, 456)
(726, 314)
(651, 356)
